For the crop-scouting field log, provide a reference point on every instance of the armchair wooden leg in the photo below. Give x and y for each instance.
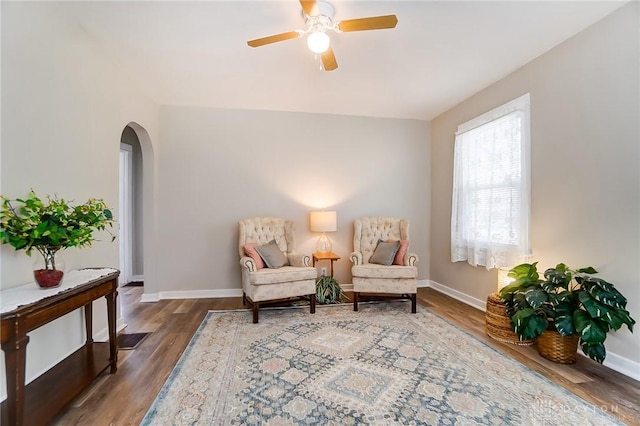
(355, 301)
(313, 303)
(244, 299)
(413, 303)
(256, 305)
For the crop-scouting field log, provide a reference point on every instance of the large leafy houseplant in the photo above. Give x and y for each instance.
(570, 301)
(51, 225)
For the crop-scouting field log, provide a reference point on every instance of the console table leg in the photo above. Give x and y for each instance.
(111, 318)
(88, 322)
(15, 356)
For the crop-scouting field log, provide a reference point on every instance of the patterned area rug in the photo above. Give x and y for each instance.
(379, 366)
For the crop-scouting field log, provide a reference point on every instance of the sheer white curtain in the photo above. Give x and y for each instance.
(491, 188)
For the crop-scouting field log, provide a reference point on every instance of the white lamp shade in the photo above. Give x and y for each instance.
(318, 42)
(503, 278)
(323, 221)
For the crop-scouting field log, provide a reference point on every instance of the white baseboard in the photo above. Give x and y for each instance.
(464, 298)
(615, 362)
(346, 287)
(103, 335)
(149, 297)
(423, 283)
(137, 278)
(620, 364)
(191, 294)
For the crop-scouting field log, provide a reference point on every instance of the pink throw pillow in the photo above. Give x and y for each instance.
(402, 250)
(250, 250)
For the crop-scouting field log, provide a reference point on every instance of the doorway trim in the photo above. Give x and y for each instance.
(149, 212)
(125, 230)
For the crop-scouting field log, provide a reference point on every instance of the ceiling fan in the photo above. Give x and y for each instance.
(318, 15)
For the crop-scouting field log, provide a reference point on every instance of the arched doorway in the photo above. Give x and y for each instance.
(141, 216)
(130, 219)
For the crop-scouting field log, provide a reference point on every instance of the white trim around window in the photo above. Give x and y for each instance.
(491, 187)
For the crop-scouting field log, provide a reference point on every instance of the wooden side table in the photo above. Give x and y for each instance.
(328, 255)
(40, 401)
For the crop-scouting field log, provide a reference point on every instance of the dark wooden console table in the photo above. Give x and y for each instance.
(40, 401)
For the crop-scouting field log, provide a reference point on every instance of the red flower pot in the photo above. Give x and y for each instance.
(48, 278)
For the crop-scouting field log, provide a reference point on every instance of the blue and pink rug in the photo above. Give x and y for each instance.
(379, 366)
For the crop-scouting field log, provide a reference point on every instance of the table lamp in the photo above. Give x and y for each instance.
(503, 277)
(323, 221)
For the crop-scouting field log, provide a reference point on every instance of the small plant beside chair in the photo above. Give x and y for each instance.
(328, 291)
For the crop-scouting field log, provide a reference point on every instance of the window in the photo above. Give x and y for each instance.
(491, 189)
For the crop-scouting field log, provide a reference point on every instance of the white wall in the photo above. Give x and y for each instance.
(64, 106)
(585, 166)
(220, 166)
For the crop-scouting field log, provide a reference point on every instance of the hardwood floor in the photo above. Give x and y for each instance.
(123, 398)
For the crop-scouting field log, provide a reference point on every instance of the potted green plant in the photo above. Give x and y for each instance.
(328, 290)
(571, 302)
(49, 226)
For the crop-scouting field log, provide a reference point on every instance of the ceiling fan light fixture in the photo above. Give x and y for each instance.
(318, 16)
(318, 42)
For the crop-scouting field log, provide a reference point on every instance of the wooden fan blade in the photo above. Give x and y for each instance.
(273, 39)
(329, 60)
(307, 6)
(373, 23)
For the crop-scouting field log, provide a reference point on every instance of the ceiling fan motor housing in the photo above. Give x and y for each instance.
(321, 17)
(323, 8)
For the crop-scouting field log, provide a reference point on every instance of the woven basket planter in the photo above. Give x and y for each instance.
(558, 348)
(498, 323)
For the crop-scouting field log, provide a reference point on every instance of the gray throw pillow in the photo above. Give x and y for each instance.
(272, 255)
(384, 253)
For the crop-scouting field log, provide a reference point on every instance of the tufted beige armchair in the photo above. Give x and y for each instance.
(399, 280)
(261, 285)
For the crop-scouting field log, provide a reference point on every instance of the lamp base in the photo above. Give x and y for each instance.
(324, 244)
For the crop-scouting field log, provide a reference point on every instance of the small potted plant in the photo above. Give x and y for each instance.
(49, 226)
(328, 291)
(570, 302)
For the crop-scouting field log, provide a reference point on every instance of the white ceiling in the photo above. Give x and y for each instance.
(440, 53)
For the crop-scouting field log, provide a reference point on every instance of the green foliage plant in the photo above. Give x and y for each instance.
(328, 291)
(570, 300)
(51, 224)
